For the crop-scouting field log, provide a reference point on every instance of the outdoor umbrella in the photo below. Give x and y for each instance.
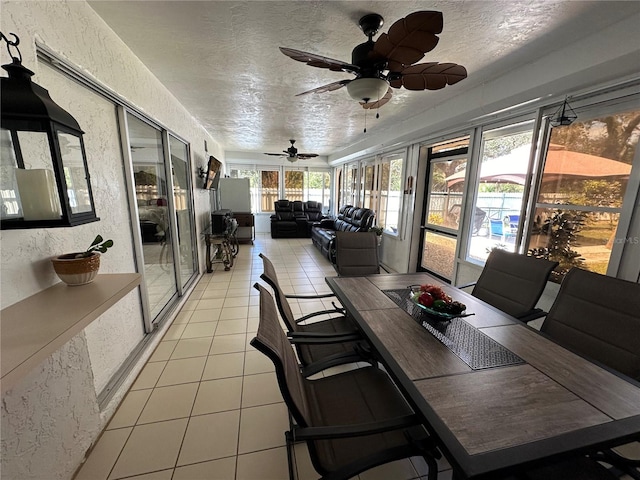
(559, 164)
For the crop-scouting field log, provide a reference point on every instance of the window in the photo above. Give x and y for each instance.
(307, 185)
(375, 184)
(318, 187)
(264, 185)
(299, 184)
(585, 175)
(504, 163)
(368, 190)
(349, 186)
(294, 185)
(390, 193)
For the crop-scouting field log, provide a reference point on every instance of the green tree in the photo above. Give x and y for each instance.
(613, 136)
(503, 145)
(561, 230)
(598, 193)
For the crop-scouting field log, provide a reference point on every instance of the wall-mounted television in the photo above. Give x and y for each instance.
(212, 177)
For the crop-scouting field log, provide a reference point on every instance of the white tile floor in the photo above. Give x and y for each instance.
(207, 405)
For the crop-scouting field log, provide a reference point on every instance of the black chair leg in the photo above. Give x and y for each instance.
(290, 454)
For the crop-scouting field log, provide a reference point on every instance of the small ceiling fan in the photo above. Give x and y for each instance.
(389, 61)
(292, 154)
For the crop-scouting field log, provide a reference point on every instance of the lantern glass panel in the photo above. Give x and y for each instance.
(10, 206)
(74, 173)
(35, 150)
(37, 192)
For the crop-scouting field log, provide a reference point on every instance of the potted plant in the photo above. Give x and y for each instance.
(80, 268)
(378, 231)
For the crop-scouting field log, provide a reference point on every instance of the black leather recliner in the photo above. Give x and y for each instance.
(295, 219)
(283, 222)
(314, 215)
(349, 219)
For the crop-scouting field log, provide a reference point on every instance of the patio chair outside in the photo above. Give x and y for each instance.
(351, 421)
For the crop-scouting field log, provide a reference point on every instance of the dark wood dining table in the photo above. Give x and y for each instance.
(497, 395)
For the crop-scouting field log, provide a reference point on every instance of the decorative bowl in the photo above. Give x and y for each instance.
(415, 294)
(435, 313)
(75, 270)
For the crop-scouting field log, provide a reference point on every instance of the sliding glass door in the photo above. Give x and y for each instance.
(152, 191)
(442, 213)
(182, 201)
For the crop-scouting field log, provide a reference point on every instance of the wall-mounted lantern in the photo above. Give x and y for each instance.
(44, 178)
(564, 116)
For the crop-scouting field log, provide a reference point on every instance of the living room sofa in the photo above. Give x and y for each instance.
(294, 219)
(349, 219)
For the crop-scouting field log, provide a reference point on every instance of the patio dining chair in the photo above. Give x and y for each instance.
(352, 421)
(357, 253)
(513, 283)
(323, 338)
(336, 324)
(597, 316)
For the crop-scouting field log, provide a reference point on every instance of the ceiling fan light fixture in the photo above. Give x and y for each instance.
(367, 89)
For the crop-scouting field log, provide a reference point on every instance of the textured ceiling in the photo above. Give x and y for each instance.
(221, 60)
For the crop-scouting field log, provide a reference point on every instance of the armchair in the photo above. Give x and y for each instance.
(283, 222)
(314, 215)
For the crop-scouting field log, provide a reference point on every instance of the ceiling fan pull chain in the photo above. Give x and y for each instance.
(365, 121)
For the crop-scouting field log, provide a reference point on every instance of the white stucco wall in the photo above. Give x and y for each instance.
(52, 417)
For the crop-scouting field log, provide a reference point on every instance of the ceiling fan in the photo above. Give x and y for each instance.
(292, 154)
(389, 61)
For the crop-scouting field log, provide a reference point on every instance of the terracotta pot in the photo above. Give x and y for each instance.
(74, 270)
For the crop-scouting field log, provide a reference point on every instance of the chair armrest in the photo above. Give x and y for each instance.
(321, 295)
(327, 223)
(333, 361)
(308, 316)
(361, 429)
(630, 466)
(526, 317)
(321, 337)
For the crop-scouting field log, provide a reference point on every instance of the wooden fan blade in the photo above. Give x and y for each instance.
(409, 39)
(276, 154)
(319, 61)
(379, 103)
(330, 87)
(304, 156)
(430, 76)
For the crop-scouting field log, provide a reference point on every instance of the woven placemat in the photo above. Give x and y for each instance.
(471, 345)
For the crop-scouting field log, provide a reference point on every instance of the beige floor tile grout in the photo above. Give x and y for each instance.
(299, 266)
